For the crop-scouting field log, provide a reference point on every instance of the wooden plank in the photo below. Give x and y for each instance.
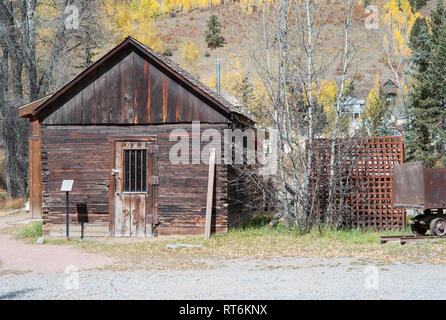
(113, 110)
(147, 89)
(127, 103)
(141, 92)
(138, 215)
(101, 96)
(112, 188)
(209, 203)
(75, 112)
(178, 104)
(87, 97)
(35, 171)
(165, 97)
(156, 96)
(172, 103)
(149, 199)
(126, 215)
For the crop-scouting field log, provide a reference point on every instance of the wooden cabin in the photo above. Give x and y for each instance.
(108, 130)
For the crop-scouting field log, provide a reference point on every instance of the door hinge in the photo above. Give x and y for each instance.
(153, 220)
(154, 148)
(153, 180)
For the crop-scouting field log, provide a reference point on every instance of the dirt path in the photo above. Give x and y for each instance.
(18, 256)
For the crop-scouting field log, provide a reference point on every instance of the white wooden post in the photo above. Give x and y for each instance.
(207, 227)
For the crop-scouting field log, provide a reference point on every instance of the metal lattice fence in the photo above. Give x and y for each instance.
(363, 181)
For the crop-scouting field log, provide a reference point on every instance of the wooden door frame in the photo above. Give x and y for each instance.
(112, 188)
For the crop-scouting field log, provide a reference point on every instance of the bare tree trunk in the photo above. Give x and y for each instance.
(29, 47)
(306, 214)
(18, 35)
(14, 131)
(397, 77)
(345, 56)
(282, 39)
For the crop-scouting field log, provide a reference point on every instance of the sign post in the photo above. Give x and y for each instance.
(67, 185)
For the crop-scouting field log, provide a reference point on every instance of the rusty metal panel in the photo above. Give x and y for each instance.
(408, 185)
(434, 188)
(418, 187)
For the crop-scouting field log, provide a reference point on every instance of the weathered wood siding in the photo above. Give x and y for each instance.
(82, 153)
(130, 90)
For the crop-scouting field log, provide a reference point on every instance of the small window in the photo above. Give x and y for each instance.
(135, 170)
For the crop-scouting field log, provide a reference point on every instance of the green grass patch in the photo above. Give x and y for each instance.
(258, 226)
(30, 232)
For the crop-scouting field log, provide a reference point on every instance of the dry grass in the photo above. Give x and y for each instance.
(14, 272)
(263, 242)
(7, 204)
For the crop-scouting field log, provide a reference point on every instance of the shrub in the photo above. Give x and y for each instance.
(32, 231)
(167, 52)
(9, 204)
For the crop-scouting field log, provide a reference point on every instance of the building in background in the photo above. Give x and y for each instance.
(354, 107)
(390, 89)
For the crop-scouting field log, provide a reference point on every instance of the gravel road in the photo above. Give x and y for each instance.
(279, 278)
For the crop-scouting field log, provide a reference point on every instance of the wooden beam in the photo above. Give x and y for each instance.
(207, 227)
(27, 109)
(35, 171)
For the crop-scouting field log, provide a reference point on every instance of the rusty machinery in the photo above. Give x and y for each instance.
(424, 190)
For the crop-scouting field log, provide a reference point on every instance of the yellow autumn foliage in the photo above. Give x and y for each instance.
(326, 95)
(134, 18)
(230, 76)
(231, 79)
(398, 19)
(189, 53)
(376, 110)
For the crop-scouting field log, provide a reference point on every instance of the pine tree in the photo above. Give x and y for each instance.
(245, 91)
(214, 39)
(426, 130)
(419, 26)
(417, 4)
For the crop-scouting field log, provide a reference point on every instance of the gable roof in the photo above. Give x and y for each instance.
(33, 109)
(390, 82)
(28, 108)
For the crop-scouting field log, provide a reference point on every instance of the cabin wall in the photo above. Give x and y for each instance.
(82, 153)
